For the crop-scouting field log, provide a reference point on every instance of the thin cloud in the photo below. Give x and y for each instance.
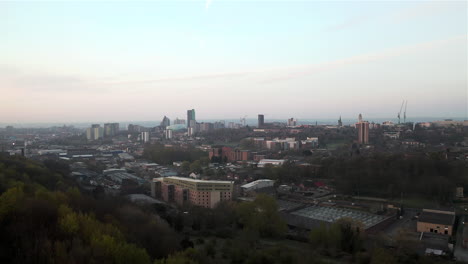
(30, 81)
(282, 74)
(352, 22)
(208, 4)
(414, 11)
(364, 58)
(181, 78)
(419, 10)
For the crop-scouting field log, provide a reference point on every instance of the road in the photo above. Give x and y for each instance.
(405, 223)
(460, 253)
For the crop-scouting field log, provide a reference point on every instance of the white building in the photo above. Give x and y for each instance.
(258, 184)
(273, 162)
(168, 133)
(145, 136)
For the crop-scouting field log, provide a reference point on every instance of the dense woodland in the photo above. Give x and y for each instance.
(44, 218)
(381, 175)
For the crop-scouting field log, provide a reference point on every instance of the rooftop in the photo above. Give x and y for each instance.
(437, 218)
(193, 180)
(251, 184)
(332, 214)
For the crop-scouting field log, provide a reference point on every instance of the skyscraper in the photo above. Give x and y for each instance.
(261, 120)
(191, 121)
(178, 121)
(145, 137)
(165, 122)
(95, 132)
(292, 122)
(111, 129)
(340, 123)
(363, 131)
(168, 133)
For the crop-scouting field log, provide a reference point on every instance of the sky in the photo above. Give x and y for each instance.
(90, 61)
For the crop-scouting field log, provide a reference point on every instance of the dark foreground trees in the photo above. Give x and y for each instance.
(45, 220)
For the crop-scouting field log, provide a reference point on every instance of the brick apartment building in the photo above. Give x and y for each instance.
(227, 154)
(197, 192)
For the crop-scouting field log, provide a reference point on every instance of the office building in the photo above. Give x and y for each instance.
(135, 128)
(95, 132)
(196, 192)
(205, 127)
(168, 133)
(145, 137)
(190, 131)
(292, 122)
(191, 120)
(340, 123)
(261, 120)
(178, 121)
(165, 122)
(111, 129)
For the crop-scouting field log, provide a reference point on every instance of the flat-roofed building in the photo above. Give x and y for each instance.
(436, 221)
(197, 192)
(258, 184)
(272, 162)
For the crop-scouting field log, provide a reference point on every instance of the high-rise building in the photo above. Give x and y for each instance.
(261, 120)
(363, 131)
(168, 133)
(111, 129)
(95, 132)
(190, 131)
(145, 137)
(178, 121)
(206, 127)
(191, 120)
(218, 125)
(340, 123)
(165, 122)
(292, 122)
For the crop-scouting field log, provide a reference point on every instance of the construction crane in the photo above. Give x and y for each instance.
(404, 113)
(399, 113)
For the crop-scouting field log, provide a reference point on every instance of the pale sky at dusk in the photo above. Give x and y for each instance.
(80, 61)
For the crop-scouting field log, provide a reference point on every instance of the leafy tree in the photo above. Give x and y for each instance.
(196, 167)
(262, 215)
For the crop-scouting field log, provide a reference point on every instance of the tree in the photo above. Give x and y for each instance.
(262, 216)
(196, 167)
(185, 166)
(382, 256)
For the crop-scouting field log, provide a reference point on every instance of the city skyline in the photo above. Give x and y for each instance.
(94, 62)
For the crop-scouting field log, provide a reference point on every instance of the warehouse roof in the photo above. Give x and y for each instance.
(436, 218)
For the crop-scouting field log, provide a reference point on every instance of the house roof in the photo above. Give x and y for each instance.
(437, 218)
